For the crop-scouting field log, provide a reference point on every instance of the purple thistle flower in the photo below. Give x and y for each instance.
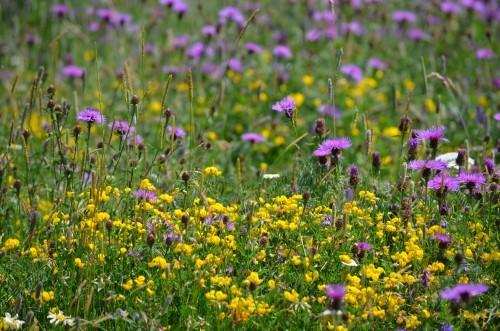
(446, 327)
(490, 166)
(180, 41)
(363, 246)
(253, 137)
(169, 238)
(427, 164)
(471, 180)
(196, 51)
(450, 8)
(463, 292)
(352, 71)
(147, 195)
(443, 183)
(90, 116)
(286, 105)
(497, 117)
(355, 28)
(235, 65)
(360, 248)
(433, 135)
(416, 34)
(376, 63)
(253, 48)
(313, 35)
(135, 139)
(335, 292)
(404, 16)
(177, 132)
(73, 71)
(121, 127)
(60, 10)
(332, 146)
(168, 3)
(231, 14)
(282, 52)
(209, 30)
(443, 239)
(180, 7)
(484, 54)
(329, 110)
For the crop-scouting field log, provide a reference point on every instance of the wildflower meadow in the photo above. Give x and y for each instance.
(249, 165)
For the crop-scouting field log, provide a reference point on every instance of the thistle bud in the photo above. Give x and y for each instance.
(134, 100)
(404, 123)
(319, 127)
(376, 162)
(460, 161)
(150, 240)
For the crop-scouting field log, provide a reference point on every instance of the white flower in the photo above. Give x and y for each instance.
(60, 318)
(351, 263)
(450, 159)
(12, 322)
(270, 176)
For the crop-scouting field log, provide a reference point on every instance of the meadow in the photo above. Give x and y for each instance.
(238, 165)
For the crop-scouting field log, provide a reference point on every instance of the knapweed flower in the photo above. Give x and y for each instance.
(176, 133)
(463, 292)
(73, 71)
(252, 137)
(329, 110)
(446, 327)
(145, 195)
(13, 322)
(235, 65)
(253, 48)
(416, 34)
(449, 7)
(332, 147)
(60, 10)
(443, 239)
(376, 63)
(360, 248)
(286, 105)
(432, 135)
(121, 127)
(443, 183)
(404, 16)
(484, 54)
(59, 318)
(471, 180)
(180, 8)
(209, 30)
(90, 116)
(336, 294)
(282, 52)
(231, 14)
(426, 166)
(352, 71)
